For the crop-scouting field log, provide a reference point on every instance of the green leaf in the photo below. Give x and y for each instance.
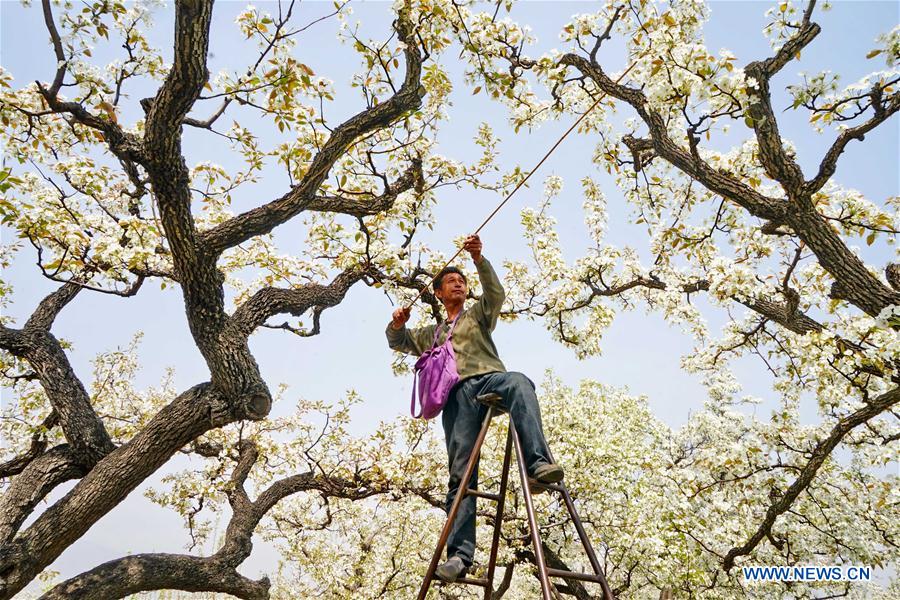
(873, 53)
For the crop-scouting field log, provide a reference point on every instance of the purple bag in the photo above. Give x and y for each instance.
(436, 372)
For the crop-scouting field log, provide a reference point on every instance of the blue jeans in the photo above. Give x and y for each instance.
(462, 419)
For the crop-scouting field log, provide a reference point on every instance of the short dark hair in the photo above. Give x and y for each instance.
(439, 280)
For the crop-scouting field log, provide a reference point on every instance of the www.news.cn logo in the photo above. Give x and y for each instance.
(807, 573)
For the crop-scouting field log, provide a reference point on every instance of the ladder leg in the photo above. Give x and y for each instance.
(498, 522)
(454, 508)
(585, 541)
(532, 519)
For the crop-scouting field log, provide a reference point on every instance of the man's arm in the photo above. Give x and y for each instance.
(411, 341)
(487, 309)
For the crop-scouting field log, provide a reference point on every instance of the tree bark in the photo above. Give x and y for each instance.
(32, 485)
(148, 572)
(107, 484)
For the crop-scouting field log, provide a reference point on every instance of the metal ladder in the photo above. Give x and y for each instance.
(544, 573)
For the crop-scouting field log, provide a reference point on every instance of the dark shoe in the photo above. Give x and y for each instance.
(451, 570)
(549, 473)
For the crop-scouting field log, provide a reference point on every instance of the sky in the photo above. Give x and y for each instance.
(641, 352)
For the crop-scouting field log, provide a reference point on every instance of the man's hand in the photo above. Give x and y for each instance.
(472, 245)
(400, 317)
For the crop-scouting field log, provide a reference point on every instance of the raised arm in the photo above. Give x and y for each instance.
(487, 309)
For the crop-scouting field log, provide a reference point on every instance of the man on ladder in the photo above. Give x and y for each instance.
(480, 372)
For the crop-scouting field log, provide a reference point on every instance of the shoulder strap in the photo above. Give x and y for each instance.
(412, 402)
(437, 329)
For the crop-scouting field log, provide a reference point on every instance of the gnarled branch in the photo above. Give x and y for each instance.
(146, 572)
(49, 308)
(272, 301)
(818, 456)
(37, 447)
(216, 573)
(39, 477)
(829, 162)
(124, 145)
(370, 206)
(713, 179)
(854, 282)
(776, 161)
(189, 416)
(263, 219)
(80, 424)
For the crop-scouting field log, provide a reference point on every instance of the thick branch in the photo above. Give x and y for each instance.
(82, 427)
(819, 454)
(185, 80)
(370, 206)
(237, 497)
(853, 281)
(829, 162)
(782, 314)
(162, 137)
(263, 219)
(48, 309)
(106, 485)
(37, 479)
(147, 572)
(806, 34)
(716, 181)
(776, 161)
(232, 367)
(80, 424)
(217, 573)
(272, 301)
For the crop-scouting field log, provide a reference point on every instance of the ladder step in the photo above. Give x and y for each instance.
(486, 495)
(574, 575)
(474, 581)
(535, 484)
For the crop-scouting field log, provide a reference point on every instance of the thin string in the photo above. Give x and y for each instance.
(521, 183)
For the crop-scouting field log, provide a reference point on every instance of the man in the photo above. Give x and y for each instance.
(480, 372)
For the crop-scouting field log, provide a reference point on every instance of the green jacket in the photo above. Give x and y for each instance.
(475, 351)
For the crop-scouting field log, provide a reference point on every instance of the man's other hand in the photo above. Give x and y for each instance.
(400, 317)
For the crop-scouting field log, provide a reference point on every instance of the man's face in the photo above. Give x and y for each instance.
(453, 288)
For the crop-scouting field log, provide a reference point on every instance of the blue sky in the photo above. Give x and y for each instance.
(641, 352)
